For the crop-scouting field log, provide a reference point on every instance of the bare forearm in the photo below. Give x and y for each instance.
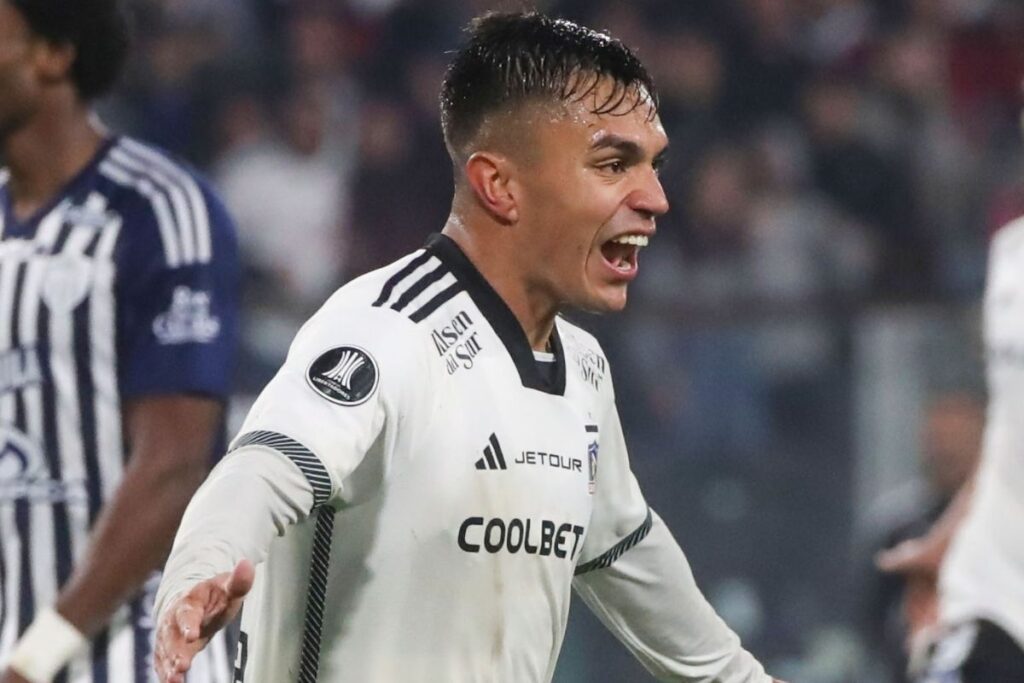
(130, 540)
(171, 440)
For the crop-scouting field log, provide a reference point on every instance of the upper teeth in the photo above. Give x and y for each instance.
(636, 240)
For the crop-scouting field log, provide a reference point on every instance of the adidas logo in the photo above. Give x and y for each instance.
(493, 458)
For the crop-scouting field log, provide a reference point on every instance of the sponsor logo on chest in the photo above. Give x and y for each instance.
(494, 458)
(541, 537)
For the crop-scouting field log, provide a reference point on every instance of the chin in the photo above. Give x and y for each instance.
(605, 302)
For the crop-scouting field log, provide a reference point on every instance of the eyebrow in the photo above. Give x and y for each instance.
(610, 140)
(626, 147)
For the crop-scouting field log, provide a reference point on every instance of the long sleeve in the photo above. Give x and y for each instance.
(648, 598)
(251, 496)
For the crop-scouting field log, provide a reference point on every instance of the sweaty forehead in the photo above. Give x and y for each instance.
(639, 125)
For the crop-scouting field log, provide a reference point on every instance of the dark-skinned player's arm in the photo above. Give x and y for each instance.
(171, 440)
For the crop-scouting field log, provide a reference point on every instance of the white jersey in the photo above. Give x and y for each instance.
(457, 490)
(983, 575)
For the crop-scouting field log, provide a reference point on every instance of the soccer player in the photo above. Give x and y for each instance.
(440, 457)
(117, 320)
(977, 548)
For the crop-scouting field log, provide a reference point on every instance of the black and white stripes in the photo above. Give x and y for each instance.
(421, 286)
(175, 197)
(310, 465)
(57, 312)
(607, 558)
(316, 597)
(319, 566)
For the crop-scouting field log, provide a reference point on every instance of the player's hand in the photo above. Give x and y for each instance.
(188, 624)
(10, 676)
(916, 557)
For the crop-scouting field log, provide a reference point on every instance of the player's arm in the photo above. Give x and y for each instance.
(304, 437)
(649, 599)
(252, 496)
(922, 557)
(134, 530)
(635, 578)
(172, 438)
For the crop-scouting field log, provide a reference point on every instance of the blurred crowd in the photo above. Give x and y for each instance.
(826, 156)
(822, 149)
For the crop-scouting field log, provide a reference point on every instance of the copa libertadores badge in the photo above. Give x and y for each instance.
(346, 375)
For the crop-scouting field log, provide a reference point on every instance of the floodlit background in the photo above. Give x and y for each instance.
(799, 371)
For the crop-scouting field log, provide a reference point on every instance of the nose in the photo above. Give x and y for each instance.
(649, 198)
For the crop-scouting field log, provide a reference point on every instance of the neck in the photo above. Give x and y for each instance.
(490, 255)
(47, 152)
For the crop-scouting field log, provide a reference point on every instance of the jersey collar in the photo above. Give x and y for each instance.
(71, 189)
(501, 318)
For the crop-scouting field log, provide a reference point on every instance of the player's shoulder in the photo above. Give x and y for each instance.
(367, 306)
(164, 200)
(353, 323)
(408, 291)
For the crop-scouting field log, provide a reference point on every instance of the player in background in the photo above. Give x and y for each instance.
(117, 325)
(440, 460)
(974, 554)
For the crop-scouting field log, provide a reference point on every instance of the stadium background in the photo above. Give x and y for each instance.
(836, 169)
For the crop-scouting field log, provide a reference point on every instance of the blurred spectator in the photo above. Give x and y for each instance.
(872, 188)
(400, 196)
(290, 196)
(950, 446)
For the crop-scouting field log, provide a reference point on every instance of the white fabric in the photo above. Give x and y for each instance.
(465, 503)
(46, 646)
(248, 498)
(983, 575)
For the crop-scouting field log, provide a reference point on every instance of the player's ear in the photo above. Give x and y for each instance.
(491, 177)
(54, 60)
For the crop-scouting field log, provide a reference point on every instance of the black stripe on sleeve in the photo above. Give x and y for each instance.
(393, 281)
(316, 597)
(608, 558)
(314, 470)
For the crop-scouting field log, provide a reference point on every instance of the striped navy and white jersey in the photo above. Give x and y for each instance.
(983, 573)
(124, 285)
(459, 487)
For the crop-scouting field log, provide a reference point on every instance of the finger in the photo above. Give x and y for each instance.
(899, 559)
(239, 583)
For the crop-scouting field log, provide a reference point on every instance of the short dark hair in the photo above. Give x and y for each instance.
(98, 30)
(513, 58)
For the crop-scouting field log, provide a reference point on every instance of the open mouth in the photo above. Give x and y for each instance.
(621, 252)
